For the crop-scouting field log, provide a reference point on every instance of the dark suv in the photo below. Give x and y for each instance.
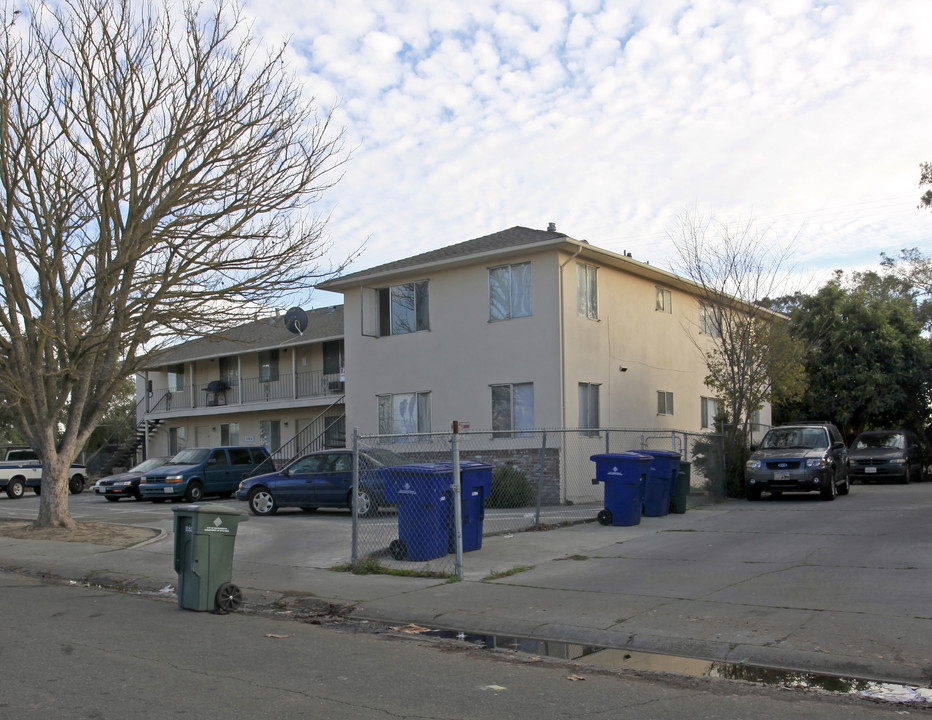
(799, 457)
(196, 472)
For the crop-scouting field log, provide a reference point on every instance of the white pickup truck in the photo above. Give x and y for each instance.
(20, 468)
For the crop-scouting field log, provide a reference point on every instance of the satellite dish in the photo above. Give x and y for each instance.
(296, 321)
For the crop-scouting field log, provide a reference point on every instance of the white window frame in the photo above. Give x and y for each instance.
(664, 300)
(710, 322)
(380, 309)
(710, 407)
(587, 291)
(589, 424)
(664, 402)
(515, 417)
(391, 409)
(513, 299)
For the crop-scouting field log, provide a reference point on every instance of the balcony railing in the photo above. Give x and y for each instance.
(307, 384)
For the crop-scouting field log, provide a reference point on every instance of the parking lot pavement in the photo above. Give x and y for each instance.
(836, 587)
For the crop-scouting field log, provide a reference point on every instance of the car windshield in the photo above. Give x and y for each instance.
(384, 458)
(879, 440)
(150, 464)
(803, 438)
(190, 457)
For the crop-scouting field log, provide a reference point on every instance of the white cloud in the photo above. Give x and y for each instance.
(610, 118)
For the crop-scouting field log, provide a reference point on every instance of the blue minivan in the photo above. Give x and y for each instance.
(196, 472)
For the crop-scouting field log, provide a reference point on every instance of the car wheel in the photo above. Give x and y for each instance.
(829, 493)
(905, 479)
(261, 502)
(15, 488)
(110, 498)
(366, 506)
(753, 494)
(195, 492)
(229, 598)
(76, 485)
(138, 496)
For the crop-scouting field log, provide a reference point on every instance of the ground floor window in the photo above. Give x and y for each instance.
(229, 433)
(512, 409)
(404, 413)
(270, 434)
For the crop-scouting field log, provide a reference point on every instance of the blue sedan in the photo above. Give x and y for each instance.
(321, 479)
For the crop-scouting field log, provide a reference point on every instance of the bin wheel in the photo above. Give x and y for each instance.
(605, 517)
(398, 550)
(229, 597)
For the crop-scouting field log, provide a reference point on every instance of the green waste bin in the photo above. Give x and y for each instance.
(681, 489)
(204, 540)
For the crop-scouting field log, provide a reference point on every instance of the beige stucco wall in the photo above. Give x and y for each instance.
(462, 354)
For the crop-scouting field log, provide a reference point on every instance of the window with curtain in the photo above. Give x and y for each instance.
(589, 409)
(510, 291)
(587, 291)
(404, 413)
(664, 403)
(512, 409)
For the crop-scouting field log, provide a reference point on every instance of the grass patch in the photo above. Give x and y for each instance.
(371, 566)
(498, 574)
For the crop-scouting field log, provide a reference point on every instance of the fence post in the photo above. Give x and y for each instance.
(540, 479)
(354, 553)
(607, 443)
(457, 501)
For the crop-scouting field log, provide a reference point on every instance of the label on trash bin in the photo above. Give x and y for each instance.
(218, 526)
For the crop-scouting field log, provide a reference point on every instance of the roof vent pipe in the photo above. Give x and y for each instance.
(552, 227)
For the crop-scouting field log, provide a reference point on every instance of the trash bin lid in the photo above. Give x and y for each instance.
(211, 508)
(660, 453)
(620, 456)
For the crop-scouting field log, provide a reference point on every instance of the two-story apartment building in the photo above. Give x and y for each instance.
(524, 329)
(258, 384)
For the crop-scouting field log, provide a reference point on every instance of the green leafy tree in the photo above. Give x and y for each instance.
(158, 177)
(868, 363)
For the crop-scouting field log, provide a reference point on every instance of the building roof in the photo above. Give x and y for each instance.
(511, 238)
(323, 324)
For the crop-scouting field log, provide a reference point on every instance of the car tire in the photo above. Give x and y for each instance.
(15, 488)
(138, 496)
(366, 505)
(829, 492)
(195, 492)
(110, 498)
(261, 502)
(753, 494)
(76, 485)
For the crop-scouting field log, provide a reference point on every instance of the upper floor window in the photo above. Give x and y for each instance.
(268, 365)
(512, 409)
(176, 377)
(710, 322)
(664, 300)
(664, 403)
(396, 310)
(404, 413)
(589, 409)
(587, 291)
(510, 291)
(229, 371)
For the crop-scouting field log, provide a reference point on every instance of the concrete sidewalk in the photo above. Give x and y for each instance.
(842, 588)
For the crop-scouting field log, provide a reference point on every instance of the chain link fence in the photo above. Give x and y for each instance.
(427, 515)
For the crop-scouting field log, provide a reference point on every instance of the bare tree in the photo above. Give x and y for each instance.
(750, 357)
(157, 178)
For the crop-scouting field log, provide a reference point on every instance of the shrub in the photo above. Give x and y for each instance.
(510, 488)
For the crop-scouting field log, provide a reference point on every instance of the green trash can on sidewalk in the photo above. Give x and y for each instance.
(204, 540)
(681, 490)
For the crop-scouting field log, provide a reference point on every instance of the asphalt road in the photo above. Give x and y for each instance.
(76, 652)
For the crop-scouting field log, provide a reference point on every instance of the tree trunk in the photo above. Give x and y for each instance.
(53, 501)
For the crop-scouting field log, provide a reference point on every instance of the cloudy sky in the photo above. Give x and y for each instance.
(611, 118)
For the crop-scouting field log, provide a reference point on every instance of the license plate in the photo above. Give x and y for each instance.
(168, 491)
(870, 470)
(781, 476)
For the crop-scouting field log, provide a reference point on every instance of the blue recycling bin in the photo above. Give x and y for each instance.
(421, 493)
(661, 481)
(475, 488)
(623, 475)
